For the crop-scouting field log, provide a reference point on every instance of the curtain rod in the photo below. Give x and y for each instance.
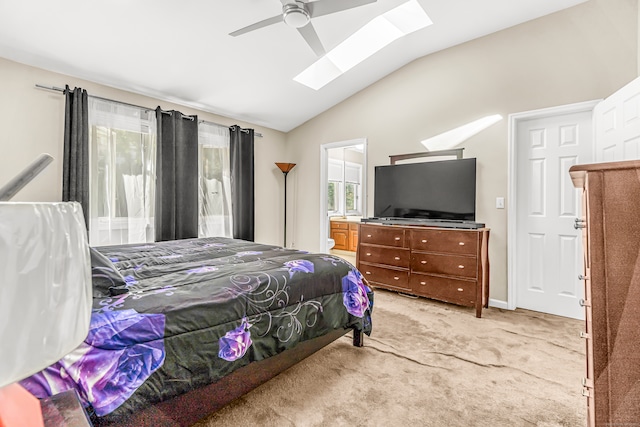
(59, 89)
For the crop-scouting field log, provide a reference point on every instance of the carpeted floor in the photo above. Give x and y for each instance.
(430, 364)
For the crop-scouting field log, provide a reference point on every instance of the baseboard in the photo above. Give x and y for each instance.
(498, 304)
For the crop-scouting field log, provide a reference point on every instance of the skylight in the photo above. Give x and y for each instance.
(375, 35)
(453, 137)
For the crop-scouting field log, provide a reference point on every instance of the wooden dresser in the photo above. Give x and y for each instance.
(445, 264)
(611, 234)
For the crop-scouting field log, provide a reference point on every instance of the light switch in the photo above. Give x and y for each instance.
(499, 202)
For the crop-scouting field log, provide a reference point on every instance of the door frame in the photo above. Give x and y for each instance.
(512, 207)
(324, 162)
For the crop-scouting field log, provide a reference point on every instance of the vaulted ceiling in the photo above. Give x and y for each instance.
(181, 51)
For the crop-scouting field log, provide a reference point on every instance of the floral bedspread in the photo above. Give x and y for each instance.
(172, 316)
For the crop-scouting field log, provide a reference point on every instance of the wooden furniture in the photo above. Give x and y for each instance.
(457, 152)
(445, 264)
(345, 235)
(611, 235)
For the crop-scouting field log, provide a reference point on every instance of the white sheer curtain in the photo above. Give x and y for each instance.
(214, 170)
(122, 141)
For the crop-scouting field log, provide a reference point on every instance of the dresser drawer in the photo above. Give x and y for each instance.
(457, 291)
(388, 277)
(385, 236)
(396, 257)
(448, 241)
(450, 265)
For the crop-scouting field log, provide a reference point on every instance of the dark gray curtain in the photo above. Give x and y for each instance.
(242, 192)
(176, 215)
(75, 163)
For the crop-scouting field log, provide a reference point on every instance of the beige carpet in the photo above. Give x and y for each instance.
(430, 364)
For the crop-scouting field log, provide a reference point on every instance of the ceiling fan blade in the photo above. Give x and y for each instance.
(325, 7)
(312, 39)
(257, 25)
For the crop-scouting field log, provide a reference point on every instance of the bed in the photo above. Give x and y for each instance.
(181, 328)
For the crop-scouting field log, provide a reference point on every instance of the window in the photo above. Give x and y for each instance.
(344, 191)
(122, 156)
(352, 180)
(351, 197)
(215, 181)
(333, 199)
(122, 175)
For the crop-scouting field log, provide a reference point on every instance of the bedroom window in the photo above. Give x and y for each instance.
(215, 181)
(122, 152)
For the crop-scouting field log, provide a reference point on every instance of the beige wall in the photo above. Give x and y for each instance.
(579, 54)
(32, 122)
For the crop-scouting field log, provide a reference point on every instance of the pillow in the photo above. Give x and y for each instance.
(107, 281)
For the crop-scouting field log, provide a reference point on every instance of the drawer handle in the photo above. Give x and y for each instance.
(460, 289)
(423, 283)
(397, 258)
(423, 262)
(461, 243)
(396, 278)
(367, 272)
(368, 253)
(368, 235)
(424, 240)
(584, 303)
(461, 266)
(397, 238)
(584, 335)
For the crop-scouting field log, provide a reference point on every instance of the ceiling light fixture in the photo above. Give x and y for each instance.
(295, 15)
(373, 37)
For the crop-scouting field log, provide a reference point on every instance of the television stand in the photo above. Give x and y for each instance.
(444, 223)
(442, 263)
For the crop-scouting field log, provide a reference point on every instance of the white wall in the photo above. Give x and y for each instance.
(578, 54)
(32, 122)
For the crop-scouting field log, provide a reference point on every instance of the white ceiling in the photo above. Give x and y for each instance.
(180, 51)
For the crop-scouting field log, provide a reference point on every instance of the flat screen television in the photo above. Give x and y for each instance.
(438, 190)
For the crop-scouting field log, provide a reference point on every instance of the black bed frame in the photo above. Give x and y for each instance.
(189, 408)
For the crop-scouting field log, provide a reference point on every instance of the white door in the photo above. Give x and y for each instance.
(548, 247)
(617, 125)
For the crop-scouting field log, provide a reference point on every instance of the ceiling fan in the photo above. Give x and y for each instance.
(298, 14)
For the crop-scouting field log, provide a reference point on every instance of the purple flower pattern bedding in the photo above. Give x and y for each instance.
(172, 316)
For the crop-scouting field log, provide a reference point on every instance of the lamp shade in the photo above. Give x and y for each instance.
(285, 167)
(45, 285)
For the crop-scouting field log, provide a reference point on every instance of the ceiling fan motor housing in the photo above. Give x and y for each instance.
(295, 15)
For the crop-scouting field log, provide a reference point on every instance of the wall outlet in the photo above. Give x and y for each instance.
(499, 202)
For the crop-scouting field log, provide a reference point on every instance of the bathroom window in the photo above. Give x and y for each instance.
(333, 198)
(352, 198)
(344, 192)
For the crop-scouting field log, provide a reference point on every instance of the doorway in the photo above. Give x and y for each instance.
(544, 257)
(343, 176)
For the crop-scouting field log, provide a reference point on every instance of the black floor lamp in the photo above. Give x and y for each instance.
(285, 168)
